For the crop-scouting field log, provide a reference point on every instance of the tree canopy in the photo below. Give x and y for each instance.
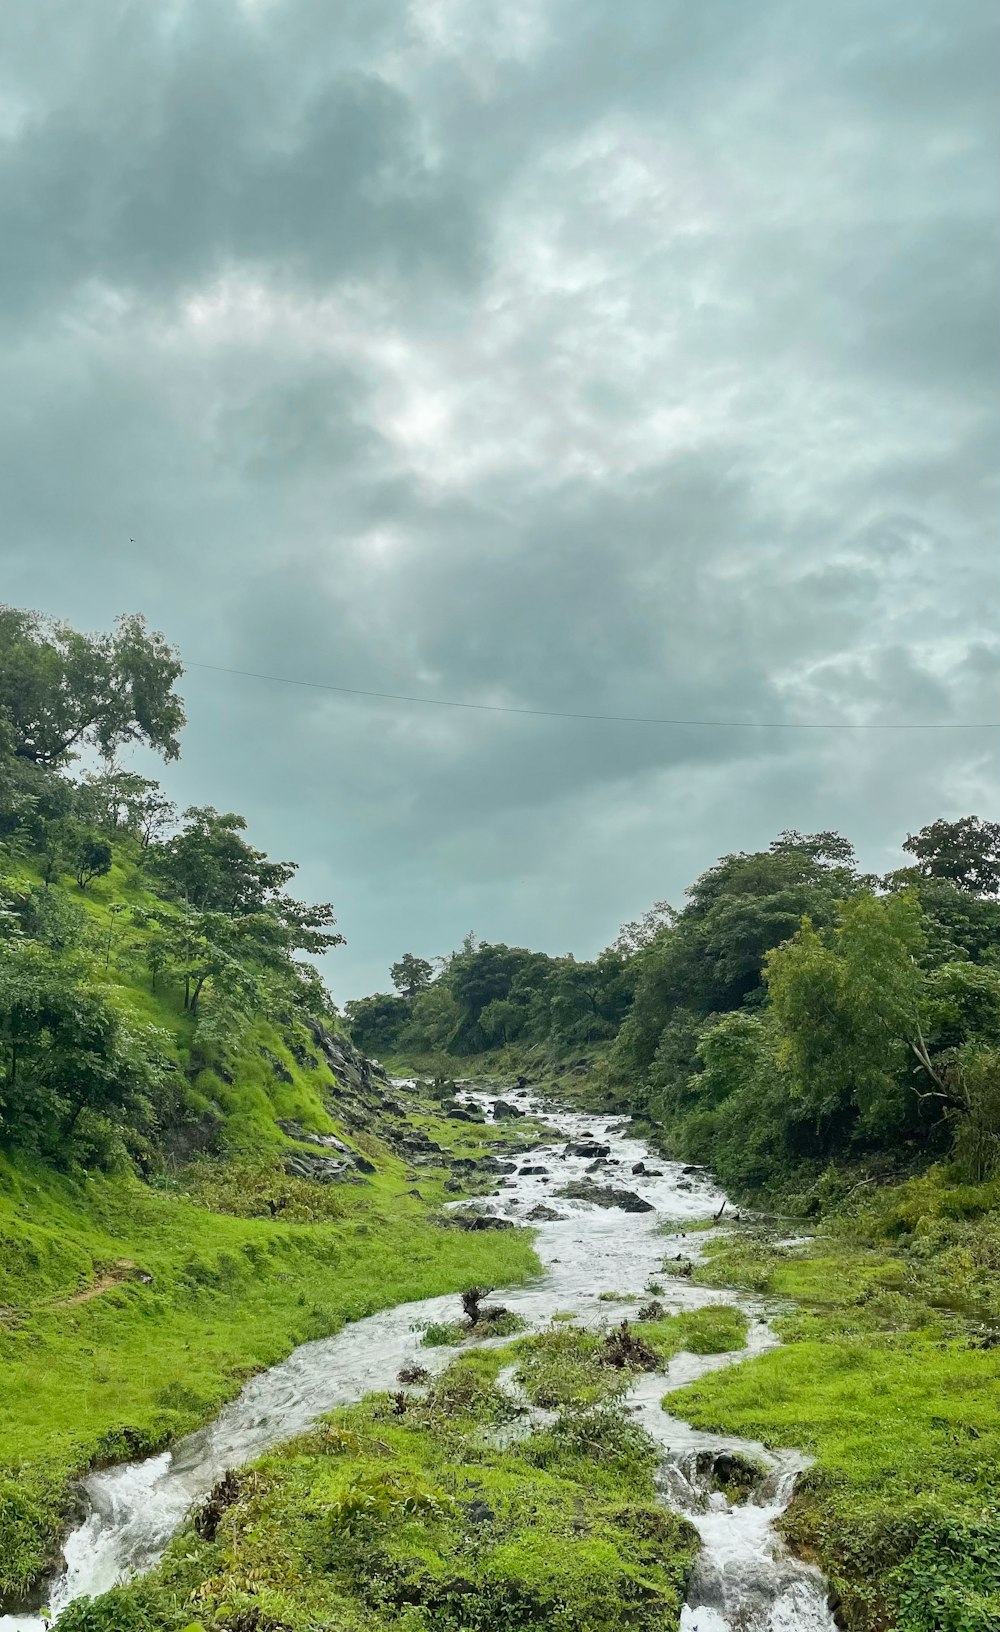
(61, 690)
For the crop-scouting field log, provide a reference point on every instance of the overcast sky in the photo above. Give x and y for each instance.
(614, 356)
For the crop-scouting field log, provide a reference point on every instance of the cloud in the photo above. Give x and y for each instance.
(633, 360)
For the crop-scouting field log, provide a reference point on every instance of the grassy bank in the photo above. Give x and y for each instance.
(890, 1378)
(129, 1312)
(441, 1509)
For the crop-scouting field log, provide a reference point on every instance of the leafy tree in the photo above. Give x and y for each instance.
(641, 932)
(850, 1008)
(434, 1020)
(410, 975)
(93, 860)
(121, 801)
(376, 1023)
(65, 1050)
(211, 866)
(967, 852)
(61, 690)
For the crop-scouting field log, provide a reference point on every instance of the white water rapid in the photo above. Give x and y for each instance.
(745, 1581)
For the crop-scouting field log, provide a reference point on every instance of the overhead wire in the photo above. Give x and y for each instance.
(610, 719)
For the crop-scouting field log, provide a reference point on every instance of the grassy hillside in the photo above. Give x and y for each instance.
(137, 1295)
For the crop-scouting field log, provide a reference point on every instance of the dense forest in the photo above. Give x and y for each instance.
(795, 1011)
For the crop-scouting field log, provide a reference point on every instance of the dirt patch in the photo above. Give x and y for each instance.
(112, 1276)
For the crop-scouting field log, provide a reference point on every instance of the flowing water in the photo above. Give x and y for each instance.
(745, 1581)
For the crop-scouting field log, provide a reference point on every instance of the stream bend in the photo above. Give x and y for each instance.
(746, 1580)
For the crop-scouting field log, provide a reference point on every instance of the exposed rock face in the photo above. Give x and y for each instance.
(305, 1136)
(605, 1195)
(321, 1169)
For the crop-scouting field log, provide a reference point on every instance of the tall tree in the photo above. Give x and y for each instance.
(967, 852)
(411, 974)
(61, 691)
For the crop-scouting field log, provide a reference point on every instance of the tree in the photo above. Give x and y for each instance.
(122, 801)
(410, 975)
(641, 932)
(61, 690)
(211, 866)
(376, 1022)
(93, 860)
(850, 1010)
(66, 1050)
(966, 851)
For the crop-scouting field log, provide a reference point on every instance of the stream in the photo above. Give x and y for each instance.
(745, 1580)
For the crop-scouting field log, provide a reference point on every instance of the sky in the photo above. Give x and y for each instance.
(633, 358)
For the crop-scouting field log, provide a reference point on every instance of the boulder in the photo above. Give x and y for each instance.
(532, 1171)
(540, 1214)
(503, 1110)
(605, 1195)
(321, 1169)
(327, 1141)
(589, 1149)
(480, 1221)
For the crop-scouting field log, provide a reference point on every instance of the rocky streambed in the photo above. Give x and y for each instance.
(598, 1198)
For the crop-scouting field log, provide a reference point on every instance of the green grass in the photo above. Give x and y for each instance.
(900, 1406)
(447, 1517)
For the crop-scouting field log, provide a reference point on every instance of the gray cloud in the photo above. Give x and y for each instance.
(631, 360)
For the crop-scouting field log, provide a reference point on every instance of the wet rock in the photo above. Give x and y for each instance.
(589, 1149)
(479, 1221)
(640, 1168)
(693, 1168)
(597, 1165)
(461, 1113)
(493, 1164)
(503, 1110)
(321, 1169)
(605, 1195)
(305, 1136)
(540, 1214)
(533, 1170)
(453, 1187)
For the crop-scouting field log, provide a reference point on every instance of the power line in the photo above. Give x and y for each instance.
(611, 719)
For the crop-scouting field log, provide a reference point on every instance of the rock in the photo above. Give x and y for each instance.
(363, 1165)
(503, 1110)
(532, 1171)
(540, 1214)
(478, 1512)
(640, 1169)
(279, 1068)
(305, 1136)
(462, 1113)
(681, 1185)
(321, 1169)
(691, 1168)
(596, 1165)
(480, 1221)
(493, 1164)
(453, 1187)
(605, 1195)
(589, 1149)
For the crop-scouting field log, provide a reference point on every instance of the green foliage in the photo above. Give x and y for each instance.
(419, 1518)
(61, 690)
(966, 852)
